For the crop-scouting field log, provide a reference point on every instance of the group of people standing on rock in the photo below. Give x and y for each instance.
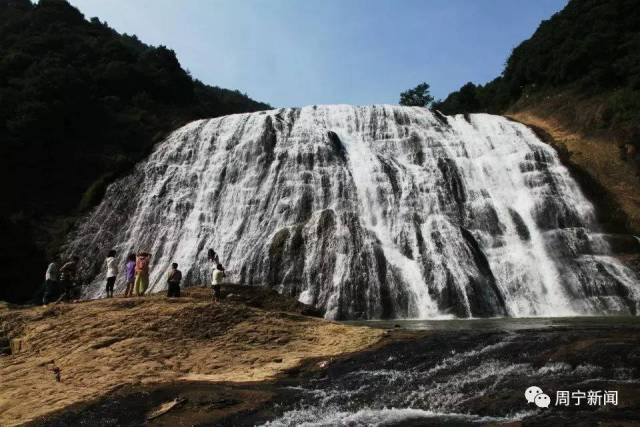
(62, 284)
(136, 270)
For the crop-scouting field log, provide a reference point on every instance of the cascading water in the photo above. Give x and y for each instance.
(468, 373)
(367, 212)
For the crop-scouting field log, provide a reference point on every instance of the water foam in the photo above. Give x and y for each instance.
(367, 212)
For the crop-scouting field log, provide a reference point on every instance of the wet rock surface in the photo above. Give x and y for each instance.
(177, 404)
(460, 376)
(69, 354)
(367, 212)
(470, 377)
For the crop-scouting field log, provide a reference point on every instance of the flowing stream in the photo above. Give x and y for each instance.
(458, 372)
(472, 372)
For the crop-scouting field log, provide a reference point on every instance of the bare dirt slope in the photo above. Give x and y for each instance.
(100, 345)
(598, 160)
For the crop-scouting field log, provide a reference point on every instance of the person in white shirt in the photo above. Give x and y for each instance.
(218, 277)
(51, 283)
(112, 272)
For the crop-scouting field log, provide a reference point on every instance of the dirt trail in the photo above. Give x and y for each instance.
(101, 345)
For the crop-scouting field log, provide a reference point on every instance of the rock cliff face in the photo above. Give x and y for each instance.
(367, 212)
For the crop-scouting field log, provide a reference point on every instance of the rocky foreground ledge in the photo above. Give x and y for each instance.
(99, 346)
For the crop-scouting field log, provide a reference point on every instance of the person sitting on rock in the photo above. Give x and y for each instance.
(173, 281)
(218, 277)
(142, 273)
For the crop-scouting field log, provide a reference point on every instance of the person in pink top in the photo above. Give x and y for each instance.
(142, 273)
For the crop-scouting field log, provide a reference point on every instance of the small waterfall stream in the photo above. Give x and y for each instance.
(366, 212)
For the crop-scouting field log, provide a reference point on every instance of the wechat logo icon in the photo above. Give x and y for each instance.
(535, 395)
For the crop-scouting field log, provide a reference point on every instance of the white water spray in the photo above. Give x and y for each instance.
(367, 212)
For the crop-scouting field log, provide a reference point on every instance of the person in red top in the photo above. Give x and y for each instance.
(142, 273)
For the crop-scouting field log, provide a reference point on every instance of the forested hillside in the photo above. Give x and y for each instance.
(578, 80)
(589, 50)
(79, 105)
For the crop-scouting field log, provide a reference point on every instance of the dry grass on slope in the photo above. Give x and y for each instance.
(611, 183)
(100, 345)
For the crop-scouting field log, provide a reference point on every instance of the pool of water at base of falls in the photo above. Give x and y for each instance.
(470, 372)
(497, 323)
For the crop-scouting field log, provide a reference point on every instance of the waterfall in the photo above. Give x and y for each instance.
(366, 212)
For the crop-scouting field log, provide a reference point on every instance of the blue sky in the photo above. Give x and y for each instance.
(303, 52)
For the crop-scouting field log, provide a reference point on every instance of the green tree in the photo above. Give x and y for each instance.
(80, 104)
(419, 96)
(591, 47)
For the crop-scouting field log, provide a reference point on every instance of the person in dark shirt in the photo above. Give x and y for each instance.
(174, 277)
(68, 277)
(212, 256)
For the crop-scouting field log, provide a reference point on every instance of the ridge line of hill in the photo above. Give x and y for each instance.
(80, 105)
(578, 75)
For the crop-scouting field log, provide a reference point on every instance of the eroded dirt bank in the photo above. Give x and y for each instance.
(104, 344)
(611, 183)
(607, 179)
